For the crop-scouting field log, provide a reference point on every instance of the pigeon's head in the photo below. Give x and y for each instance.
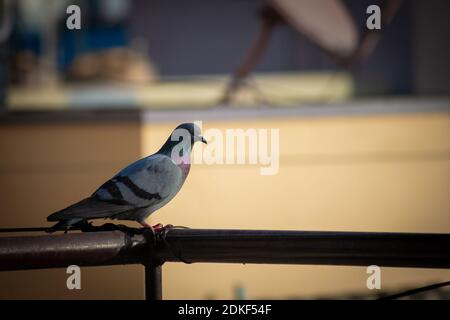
(192, 129)
(182, 139)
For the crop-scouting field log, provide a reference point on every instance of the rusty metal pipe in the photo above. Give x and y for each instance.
(82, 249)
(307, 247)
(226, 246)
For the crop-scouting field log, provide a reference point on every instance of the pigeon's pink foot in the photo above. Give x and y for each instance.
(158, 227)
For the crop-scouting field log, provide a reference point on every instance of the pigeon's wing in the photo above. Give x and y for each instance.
(90, 208)
(144, 183)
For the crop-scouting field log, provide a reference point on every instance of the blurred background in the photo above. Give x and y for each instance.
(364, 120)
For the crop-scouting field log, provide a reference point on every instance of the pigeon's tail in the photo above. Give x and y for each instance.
(81, 209)
(89, 208)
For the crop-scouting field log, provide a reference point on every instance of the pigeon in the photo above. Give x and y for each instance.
(139, 189)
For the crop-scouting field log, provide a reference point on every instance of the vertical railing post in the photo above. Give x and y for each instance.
(152, 269)
(153, 282)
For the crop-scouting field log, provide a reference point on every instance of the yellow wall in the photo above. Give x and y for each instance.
(372, 173)
(45, 167)
(365, 173)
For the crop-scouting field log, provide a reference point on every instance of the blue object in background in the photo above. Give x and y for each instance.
(240, 292)
(75, 42)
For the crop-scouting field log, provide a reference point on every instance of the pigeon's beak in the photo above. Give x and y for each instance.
(200, 139)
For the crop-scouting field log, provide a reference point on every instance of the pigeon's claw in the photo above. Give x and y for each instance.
(157, 227)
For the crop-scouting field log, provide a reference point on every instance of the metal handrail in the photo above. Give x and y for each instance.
(138, 246)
